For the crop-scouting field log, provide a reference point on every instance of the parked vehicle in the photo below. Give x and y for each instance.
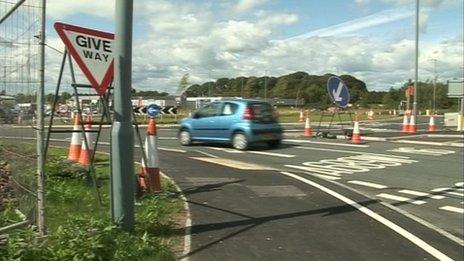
(237, 122)
(7, 115)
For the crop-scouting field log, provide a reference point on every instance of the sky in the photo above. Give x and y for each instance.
(372, 40)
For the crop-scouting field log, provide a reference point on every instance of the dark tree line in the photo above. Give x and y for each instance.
(313, 89)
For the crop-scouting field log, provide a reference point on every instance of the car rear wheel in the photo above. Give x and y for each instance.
(239, 141)
(185, 138)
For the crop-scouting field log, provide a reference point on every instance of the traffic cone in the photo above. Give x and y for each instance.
(301, 116)
(150, 169)
(412, 125)
(308, 131)
(86, 152)
(75, 147)
(405, 127)
(432, 126)
(356, 137)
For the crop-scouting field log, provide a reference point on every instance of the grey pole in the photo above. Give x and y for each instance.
(122, 136)
(434, 84)
(416, 69)
(265, 86)
(40, 129)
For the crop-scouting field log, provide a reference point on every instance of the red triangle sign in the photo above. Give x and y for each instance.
(92, 50)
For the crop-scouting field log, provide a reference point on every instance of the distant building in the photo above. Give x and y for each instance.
(7, 101)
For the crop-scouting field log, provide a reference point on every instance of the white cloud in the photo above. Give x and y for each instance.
(246, 5)
(382, 17)
(178, 37)
(59, 9)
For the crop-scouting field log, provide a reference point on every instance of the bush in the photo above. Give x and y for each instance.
(85, 239)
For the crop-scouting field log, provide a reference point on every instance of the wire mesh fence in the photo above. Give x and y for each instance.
(19, 81)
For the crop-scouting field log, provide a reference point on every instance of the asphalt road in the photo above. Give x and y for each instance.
(317, 199)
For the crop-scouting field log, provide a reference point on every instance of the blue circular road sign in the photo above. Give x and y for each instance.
(338, 92)
(153, 110)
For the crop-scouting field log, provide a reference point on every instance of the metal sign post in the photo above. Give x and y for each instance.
(340, 96)
(122, 137)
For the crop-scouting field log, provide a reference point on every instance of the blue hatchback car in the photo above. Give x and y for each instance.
(238, 122)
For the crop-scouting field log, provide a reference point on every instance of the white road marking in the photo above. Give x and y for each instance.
(233, 163)
(272, 154)
(321, 171)
(447, 191)
(328, 143)
(401, 231)
(455, 193)
(225, 149)
(367, 184)
(428, 152)
(440, 189)
(459, 184)
(351, 164)
(401, 199)
(453, 209)
(351, 152)
(173, 150)
(207, 154)
(326, 177)
(420, 194)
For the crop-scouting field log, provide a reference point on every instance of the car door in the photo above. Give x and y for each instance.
(204, 122)
(226, 119)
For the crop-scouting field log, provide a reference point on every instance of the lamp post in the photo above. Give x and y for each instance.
(265, 85)
(416, 71)
(434, 84)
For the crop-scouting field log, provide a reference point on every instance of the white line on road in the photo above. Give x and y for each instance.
(398, 198)
(440, 189)
(453, 209)
(328, 143)
(325, 176)
(225, 150)
(326, 172)
(420, 194)
(406, 234)
(459, 184)
(351, 152)
(272, 154)
(447, 191)
(367, 184)
(173, 150)
(455, 193)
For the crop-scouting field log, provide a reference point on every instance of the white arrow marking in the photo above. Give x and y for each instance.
(336, 94)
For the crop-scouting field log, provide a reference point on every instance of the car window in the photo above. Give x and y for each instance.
(209, 110)
(229, 108)
(263, 111)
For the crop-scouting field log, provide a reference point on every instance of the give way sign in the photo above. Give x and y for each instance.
(92, 51)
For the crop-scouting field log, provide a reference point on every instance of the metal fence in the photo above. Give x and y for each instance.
(20, 25)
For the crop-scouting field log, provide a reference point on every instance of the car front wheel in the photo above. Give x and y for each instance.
(239, 141)
(185, 138)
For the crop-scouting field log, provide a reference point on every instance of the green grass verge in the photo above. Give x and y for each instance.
(79, 228)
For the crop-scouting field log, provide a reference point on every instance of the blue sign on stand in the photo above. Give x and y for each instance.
(338, 92)
(153, 110)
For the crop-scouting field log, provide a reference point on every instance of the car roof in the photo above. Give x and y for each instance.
(243, 101)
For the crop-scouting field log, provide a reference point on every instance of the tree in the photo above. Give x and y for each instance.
(183, 84)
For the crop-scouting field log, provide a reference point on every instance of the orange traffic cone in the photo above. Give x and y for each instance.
(86, 152)
(150, 168)
(308, 131)
(412, 125)
(432, 126)
(405, 127)
(301, 116)
(75, 147)
(356, 138)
